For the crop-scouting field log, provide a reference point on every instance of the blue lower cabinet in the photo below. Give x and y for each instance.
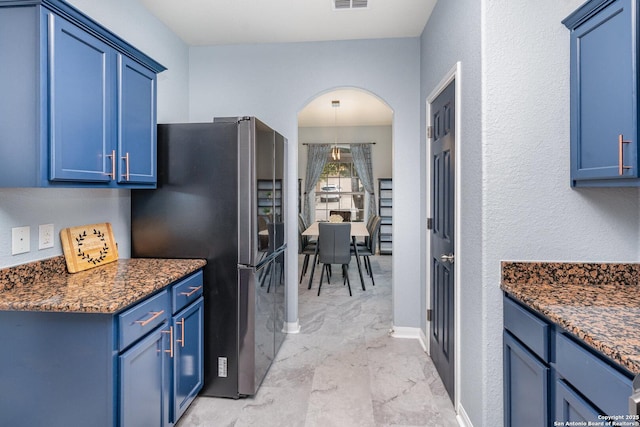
(187, 364)
(571, 407)
(551, 377)
(526, 386)
(144, 381)
(142, 366)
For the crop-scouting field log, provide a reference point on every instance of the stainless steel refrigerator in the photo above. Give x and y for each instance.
(220, 196)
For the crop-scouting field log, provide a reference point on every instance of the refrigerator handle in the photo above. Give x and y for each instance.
(247, 195)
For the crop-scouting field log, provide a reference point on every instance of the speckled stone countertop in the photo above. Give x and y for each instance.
(599, 303)
(47, 286)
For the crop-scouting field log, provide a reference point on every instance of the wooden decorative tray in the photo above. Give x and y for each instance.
(88, 246)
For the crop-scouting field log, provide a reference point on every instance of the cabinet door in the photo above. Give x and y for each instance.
(81, 71)
(145, 380)
(571, 407)
(525, 386)
(137, 123)
(603, 95)
(188, 366)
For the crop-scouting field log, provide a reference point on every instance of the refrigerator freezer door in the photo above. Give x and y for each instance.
(258, 312)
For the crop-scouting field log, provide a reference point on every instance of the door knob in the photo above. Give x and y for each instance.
(447, 258)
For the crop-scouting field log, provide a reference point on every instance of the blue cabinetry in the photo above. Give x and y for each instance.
(136, 123)
(82, 71)
(80, 108)
(570, 406)
(188, 326)
(551, 378)
(144, 381)
(526, 368)
(604, 61)
(139, 367)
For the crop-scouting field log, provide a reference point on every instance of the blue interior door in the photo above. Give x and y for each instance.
(441, 330)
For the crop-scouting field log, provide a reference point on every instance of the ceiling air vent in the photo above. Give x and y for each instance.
(350, 4)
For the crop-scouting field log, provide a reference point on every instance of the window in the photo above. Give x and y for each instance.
(339, 188)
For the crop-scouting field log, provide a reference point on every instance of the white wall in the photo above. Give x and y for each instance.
(275, 81)
(517, 202)
(70, 207)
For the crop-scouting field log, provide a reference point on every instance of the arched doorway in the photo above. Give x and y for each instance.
(359, 118)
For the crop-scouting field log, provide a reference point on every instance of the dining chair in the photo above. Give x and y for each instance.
(369, 248)
(346, 215)
(305, 246)
(334, 247)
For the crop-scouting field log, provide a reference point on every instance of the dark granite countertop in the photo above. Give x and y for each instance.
(47, 286)
(599, 303)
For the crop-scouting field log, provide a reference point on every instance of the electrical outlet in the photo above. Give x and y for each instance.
(45, 236)
(20, 239)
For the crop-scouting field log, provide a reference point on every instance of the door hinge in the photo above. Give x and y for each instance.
(429, 314)
(429, 223)
(429, 132)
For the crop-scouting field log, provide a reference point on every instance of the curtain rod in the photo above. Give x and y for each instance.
(339, 143)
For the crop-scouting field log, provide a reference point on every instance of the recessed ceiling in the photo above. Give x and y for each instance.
(357, 108)
(214, 22)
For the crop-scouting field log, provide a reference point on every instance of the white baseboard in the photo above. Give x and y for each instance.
(291, 327)
(405, 332)
(463, 418)
(423, 341)
(411, 333)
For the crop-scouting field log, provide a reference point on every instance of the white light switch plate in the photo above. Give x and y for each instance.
(20, 240)
(45, 236)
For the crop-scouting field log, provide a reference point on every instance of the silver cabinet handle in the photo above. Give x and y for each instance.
(447, 258)
(634, 404)
(634, 399)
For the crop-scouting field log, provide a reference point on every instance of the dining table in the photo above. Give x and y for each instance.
(358, 229)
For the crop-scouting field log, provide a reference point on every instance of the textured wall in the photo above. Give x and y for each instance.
(516, 199)
(275, 81)
(453, 34)
(530, 212)
(69, 207)
(131, 21)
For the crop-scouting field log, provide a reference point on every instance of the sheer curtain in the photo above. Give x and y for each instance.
(317, 155)
(361, 154)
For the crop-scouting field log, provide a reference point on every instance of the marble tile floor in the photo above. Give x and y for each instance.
(342, 369)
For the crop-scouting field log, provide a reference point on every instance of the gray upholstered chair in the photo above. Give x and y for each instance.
(306, 246)
(369, 248)
(334, 247)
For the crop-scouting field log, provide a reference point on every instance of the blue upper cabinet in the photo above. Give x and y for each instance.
(80, 108)
(604, 134)
(136, 123)
(80, 103)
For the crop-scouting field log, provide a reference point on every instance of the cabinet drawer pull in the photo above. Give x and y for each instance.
(126, 166)
(112, 174)
(170, 332)
(154, 314)
(194, 289)
(181, 341)
(621, 166)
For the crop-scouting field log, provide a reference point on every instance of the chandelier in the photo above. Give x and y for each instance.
(335, 151)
